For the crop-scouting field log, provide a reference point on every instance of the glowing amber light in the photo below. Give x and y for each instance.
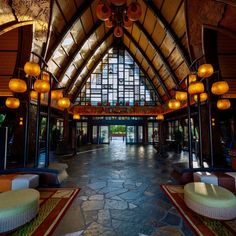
(223, 104)
(118, 2)
(32, 68)
(56, 94)
(181, 95)
(118, 31)
(196, 87)
(64, 103)
(108, 23)
(220, 87)
(191, 78)
(34, 95)
(203, 97)
(205, 70)
(46, 77)
(76, 117)
(12, 103)
(41, 86)
(103, 11)
(160, 117)
(174, 104)
(134, 11)
(17, 85)
(127, 22)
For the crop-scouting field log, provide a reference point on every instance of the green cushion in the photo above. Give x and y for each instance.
(209, 195)
(16, 201)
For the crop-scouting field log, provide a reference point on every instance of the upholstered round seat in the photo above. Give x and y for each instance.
(210, 200)
(17, 207)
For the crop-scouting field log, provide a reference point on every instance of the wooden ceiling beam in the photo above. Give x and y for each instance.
(160, 54)
(149, 62)
(84, 6)
(169, 31)
(145, 73)
(85, 62)
(79, 46)
(88, 75)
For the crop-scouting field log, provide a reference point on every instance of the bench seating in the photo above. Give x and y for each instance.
(210, 200)
(17, 207)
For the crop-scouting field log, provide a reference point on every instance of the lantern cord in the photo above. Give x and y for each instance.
(196, 60)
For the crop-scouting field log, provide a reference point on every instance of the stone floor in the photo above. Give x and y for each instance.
(120, 193)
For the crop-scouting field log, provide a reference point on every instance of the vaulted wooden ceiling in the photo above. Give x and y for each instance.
(157, 42)
(164, 42)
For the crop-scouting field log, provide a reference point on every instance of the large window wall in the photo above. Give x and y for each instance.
(117, 80)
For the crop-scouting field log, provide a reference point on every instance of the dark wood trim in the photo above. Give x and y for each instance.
(169, 30)
(74, 54)
(160, 54)
(87, 76)
(85, 62)
(149, 62)
(145, 73)
(84, 6)
(229, 2)
(61, 11)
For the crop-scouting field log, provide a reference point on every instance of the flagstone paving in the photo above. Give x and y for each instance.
(120, 193)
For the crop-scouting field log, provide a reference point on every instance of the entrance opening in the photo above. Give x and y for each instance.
(118, 133)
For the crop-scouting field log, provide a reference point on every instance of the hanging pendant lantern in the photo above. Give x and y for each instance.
(32, 68)
(191, 78)
(181, 95)
(160, 117)
(134, 11)
(196, 87)
(41, 86)
(223, 104)
(17, 85)
(64, 103)
(34, 95)
(203, 97)
(56, 94)
(103, 11)
(76, 117)
(205, 70)
(174, 104)
(12, 103)
(118, 31)
(220, 87)
(118, 2)
(127, 22)
(109, 23)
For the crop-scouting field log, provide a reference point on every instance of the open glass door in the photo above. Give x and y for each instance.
(104, 134)
(130, 134)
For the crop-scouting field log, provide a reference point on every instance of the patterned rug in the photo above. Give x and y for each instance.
(54, 202)
(201, 225)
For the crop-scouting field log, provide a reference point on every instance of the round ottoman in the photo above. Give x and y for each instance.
(17, 207)
(210, 200)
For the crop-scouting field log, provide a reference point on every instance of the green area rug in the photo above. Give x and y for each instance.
(54, 202)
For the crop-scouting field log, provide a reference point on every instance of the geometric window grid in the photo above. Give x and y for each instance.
(117, 80)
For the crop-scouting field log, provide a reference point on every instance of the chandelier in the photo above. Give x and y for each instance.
(117, 14)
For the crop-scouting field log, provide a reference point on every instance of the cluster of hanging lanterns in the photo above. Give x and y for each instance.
(41, 86)
(116, 13)
(160, 117)
(196, 88)
(76, 116)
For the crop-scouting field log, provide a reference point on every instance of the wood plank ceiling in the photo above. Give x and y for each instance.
(157, 42)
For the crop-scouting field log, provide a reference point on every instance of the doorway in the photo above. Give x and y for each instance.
(117, 133)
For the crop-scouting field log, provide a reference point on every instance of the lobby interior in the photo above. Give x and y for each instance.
(118, 98)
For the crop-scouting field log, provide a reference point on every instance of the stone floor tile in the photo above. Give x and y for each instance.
(92, 205)
(97, 185)
(90, 216)
(104, 217)
(114, 204)
(97, 197)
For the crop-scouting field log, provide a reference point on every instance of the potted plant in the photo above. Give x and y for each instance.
(232, 154)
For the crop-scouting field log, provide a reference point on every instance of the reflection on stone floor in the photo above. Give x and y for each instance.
(120, 193)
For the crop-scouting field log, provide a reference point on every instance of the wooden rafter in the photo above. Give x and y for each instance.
(88, 75)
(85, 62)
(72, 56)
(160, 54)
(145, 73)
(84, 6)
(149, 62)
(169, 31)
